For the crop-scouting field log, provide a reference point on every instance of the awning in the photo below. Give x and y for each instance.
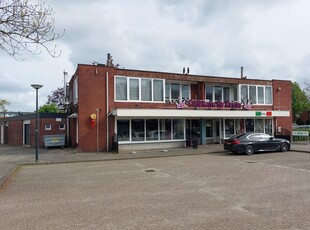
(185, 113)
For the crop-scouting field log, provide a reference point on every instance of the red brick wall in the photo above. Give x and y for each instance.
(282, 100)
(92, 96)
(15, 133)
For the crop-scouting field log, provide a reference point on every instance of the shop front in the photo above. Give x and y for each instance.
(159, 129)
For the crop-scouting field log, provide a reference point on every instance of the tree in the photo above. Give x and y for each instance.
(3, 103)
(49, 108)
(300, 101)
(57, 97)
(26, 26)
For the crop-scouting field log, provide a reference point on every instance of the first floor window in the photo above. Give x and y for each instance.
(209, 92)
(146, 90)
(123, 130)
(175, 91)
(48, 127)
(158, 90)
(121, 88)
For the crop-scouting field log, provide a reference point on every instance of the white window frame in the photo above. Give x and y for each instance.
(264, 93)
(48, 126)
(140, 89)
(168, 97)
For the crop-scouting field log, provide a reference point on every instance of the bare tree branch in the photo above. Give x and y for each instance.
(27, 26)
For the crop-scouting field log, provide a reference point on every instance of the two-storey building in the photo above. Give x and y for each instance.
(159, 110)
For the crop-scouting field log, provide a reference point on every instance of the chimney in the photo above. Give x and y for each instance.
(241, 72)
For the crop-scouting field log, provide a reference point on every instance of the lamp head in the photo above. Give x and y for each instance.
(36, 86)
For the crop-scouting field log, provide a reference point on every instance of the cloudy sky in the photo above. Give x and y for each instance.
(269, 38)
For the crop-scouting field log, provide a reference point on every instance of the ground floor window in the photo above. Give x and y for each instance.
(193, 128)
(123, 130)
(209, 128)
(134, 130)
(236, 126)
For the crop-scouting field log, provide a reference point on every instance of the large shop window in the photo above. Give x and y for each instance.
(123, 130)
(236, 126)
(139, 89)
(256, 94)
(137, 130)
(209, 128)
(150, 130)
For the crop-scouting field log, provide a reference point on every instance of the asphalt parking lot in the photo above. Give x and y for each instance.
(205, 191)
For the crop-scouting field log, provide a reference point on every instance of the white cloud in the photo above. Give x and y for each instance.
(268, 38)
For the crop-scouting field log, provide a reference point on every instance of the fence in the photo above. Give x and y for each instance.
(301, 134)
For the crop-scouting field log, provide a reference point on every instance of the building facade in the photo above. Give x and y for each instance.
(20, 130)
(131, 110)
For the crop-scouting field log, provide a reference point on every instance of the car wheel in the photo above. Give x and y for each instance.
(249, 150)
(284, 147)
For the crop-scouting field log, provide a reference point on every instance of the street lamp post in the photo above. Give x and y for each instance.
(37, 87)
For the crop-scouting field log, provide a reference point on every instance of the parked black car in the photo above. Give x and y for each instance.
(250, 143)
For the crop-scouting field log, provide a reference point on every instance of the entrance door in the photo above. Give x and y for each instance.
(26, 134)
(216, 131)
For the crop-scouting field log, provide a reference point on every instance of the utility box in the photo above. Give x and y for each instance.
(54, 140)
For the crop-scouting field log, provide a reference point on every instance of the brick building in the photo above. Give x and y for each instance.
(157, 110)
(20, 130)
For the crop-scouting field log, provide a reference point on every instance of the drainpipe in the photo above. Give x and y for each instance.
(97, 137)
(107, 110)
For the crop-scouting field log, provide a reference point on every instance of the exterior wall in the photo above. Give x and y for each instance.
(14, 131)
(96, 93)
(282, 100)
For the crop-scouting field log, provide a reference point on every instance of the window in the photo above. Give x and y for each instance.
(209, 92)
(62, 127)
(209, 128)
(146, 89)
(134, 89)
(185, 91)
(252, 94)
(260, 94)
(244, 93)
(137, 130)
(256, 94)
(218, 93)
(229, 127)
(139, 89)
(178, 129)
(268, 126)
(167, 90)
(226, 93)
(48, 127)
(158, 90)
(151, 129)
(249, 125)
(75, 91)
(121, 88)
(165, 129)
(123, 130)
(175, 91)
(268, 95)
(259, 126)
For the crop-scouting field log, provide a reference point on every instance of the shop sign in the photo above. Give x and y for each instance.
(182, 103)
(301, 133)
(263, 113)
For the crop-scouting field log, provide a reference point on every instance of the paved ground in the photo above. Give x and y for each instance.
(204, 191)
